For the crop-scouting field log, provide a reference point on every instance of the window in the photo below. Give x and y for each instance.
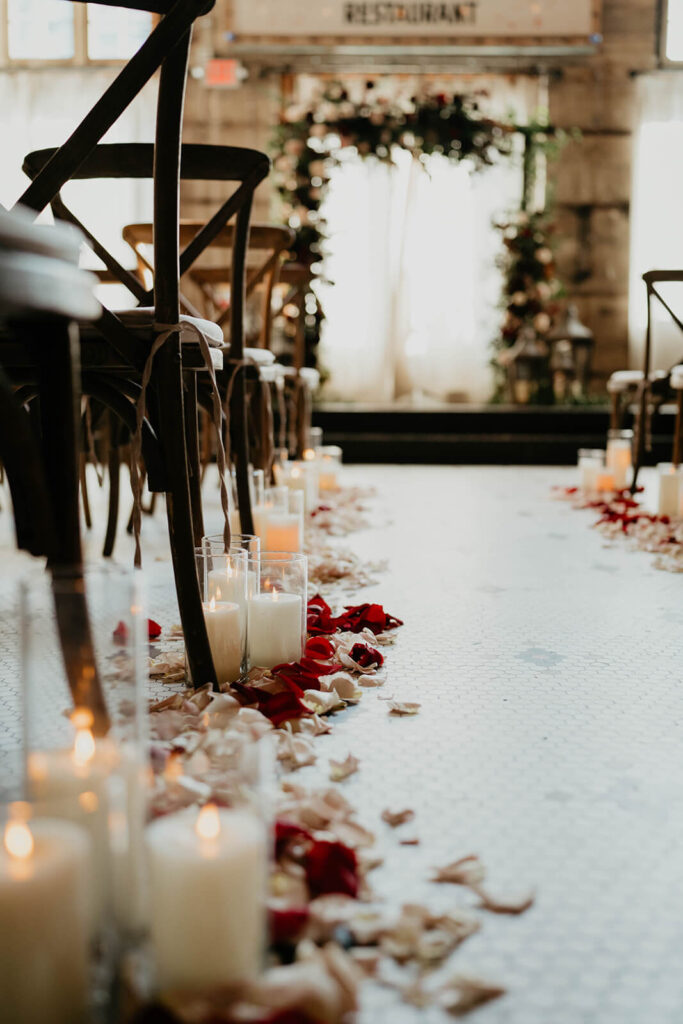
(671, 33)
(55, 32)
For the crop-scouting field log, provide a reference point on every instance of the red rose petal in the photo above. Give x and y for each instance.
(331, 867)
(121, 631)
(286, 926)
(153, 629)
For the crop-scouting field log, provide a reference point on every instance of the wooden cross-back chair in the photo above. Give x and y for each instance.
(42, 294)
(176, 432)
(654, 386)
(120, 349)
(211, 278)
(267, 248)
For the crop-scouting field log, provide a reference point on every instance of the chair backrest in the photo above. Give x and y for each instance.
(166, 47)
(245, 168)
(268, 245)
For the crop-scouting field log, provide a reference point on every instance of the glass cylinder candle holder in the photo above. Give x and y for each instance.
(223, 585)
(315, 439)
(277, 609)
(85, 717)
(248, 542)
(209, 876)
(44, 919)
(669, 490)
(591, 461)
(619, 455)
(284, 523)
(329, 473)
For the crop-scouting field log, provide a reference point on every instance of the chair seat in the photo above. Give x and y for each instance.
(260, 356)
(621, 380)
(142, 318)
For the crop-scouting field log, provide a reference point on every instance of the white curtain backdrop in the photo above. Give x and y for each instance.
(414, 304)
(657, 213)
(41, 108)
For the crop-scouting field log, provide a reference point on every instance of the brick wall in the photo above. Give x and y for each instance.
(593, 178)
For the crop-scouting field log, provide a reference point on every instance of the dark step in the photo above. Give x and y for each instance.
(494, 435)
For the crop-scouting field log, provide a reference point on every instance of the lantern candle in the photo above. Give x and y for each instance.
(207, 880)
(274, 630)
(43, 923)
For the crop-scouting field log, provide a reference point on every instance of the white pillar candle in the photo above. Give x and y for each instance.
(284, 531)
(207, 884)
(259, 514)
(225, 629)
(43, 923)
(604, 482)
(274, 630)
(71, 784)
(668, 500)
(619, 460)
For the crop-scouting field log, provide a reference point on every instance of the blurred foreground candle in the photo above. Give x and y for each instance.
(208, 879)
(72, 773)
(590, 462)
(71, 784)
(668, 495)
(618, 458)
(43, 923)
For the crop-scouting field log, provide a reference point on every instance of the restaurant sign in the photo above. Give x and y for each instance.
(467, 19)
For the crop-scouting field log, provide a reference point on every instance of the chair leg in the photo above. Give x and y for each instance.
(170, 412)
(240, 446)
(193, 459)
(59, 377)
(85, 500)
(114, 466)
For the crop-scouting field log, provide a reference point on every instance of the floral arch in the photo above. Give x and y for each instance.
(308, 139)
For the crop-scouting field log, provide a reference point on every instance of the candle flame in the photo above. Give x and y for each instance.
(174, 768)
(18, 840)
(208, 822)
(296, 473)
(82, 718)
(309, 455)
(84, 747)
(212, 603)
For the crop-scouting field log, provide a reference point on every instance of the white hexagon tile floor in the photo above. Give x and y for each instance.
(550, 739)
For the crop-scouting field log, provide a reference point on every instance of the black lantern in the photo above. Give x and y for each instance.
(570, 329)
(563, 370)
(527, 367)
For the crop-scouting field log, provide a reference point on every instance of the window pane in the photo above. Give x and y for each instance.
(674, 30)
(40, 30)
(115, 33)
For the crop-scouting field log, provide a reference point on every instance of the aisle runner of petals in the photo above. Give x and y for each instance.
(326, 932)
(622, 518)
